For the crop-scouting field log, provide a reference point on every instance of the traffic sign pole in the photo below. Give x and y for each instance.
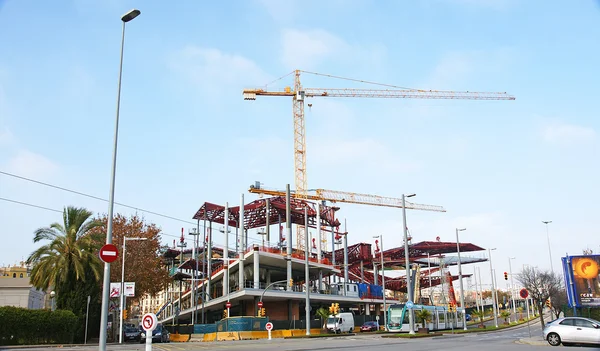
(149, 322)
(269, 327)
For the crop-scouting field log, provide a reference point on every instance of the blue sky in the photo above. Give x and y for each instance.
(187, 136)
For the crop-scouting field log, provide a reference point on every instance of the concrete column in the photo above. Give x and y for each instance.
(209, 262)
(256, 273)
(268, 277)
(367, 309)
(362, 271)
(333, 250)
(242, 246)
(318, 237)
(288, 239)
(268, 223)
(226, 253)
(345, 256)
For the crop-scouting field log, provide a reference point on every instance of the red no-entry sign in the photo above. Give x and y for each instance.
(109, 253)
(260, 304)
(228, 304)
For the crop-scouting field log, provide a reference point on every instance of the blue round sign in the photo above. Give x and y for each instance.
(409, 304)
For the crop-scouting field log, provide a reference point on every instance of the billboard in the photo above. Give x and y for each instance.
(581, 278)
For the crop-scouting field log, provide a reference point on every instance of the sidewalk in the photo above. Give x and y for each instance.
(538, 341)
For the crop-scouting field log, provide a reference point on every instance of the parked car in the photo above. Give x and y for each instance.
(160, 334)
(572, 330)
(131, 333)
(369, 326)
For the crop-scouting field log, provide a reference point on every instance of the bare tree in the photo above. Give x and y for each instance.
(541, 286)
(559, 301)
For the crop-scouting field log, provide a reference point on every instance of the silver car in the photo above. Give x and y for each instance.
(572, 330)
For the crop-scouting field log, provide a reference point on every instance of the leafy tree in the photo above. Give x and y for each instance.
(143, 264)
(541, 285)
(502, 295)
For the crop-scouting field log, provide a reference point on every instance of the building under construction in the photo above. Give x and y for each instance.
(214, 273)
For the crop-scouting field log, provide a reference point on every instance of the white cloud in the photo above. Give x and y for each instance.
(214, 71)
(7, 137)
(307, 49)
(29, 164)
(280, 11)
(491, 4)
(567, 133)
(369, 153)
(457, 67)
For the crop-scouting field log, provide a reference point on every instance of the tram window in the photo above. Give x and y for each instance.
(442, 316)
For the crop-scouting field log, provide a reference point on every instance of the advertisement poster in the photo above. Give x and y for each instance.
(129, 289)
(115, 289)
(582, 277)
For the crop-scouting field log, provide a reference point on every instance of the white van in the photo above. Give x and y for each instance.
(341, 323)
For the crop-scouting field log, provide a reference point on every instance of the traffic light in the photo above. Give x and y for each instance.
(336, 308)
(548, 304)
(124, 314)
(331, 309)
(291, 282)
(505, 276)
(262, 312)
(224, 313)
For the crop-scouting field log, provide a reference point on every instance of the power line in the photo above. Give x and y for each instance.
(256, 239)
(54, 210)
(28, 204)
(94, 197)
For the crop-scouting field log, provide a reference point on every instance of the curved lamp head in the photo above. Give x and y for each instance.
(130, 15)
(52, 294)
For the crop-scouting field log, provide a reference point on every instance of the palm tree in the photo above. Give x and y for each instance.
(323, 313)
(69, 254)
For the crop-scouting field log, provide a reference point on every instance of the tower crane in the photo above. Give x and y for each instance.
(346, 197)
(299, 93)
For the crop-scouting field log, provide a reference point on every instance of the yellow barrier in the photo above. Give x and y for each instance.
(180, 337)
(228, 336)
(249, 335)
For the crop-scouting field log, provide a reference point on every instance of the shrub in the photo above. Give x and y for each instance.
(25, 327)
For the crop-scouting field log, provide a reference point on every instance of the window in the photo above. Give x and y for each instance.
(583, 323)
(21, 275)
(567, 322)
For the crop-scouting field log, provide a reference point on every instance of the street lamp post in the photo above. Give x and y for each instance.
(494, 305)
(549, 250)
(512, 287)
(111, 201)
(380, 236)
(122, 298)
(411, 320)
(549, 253)
(460, 278)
